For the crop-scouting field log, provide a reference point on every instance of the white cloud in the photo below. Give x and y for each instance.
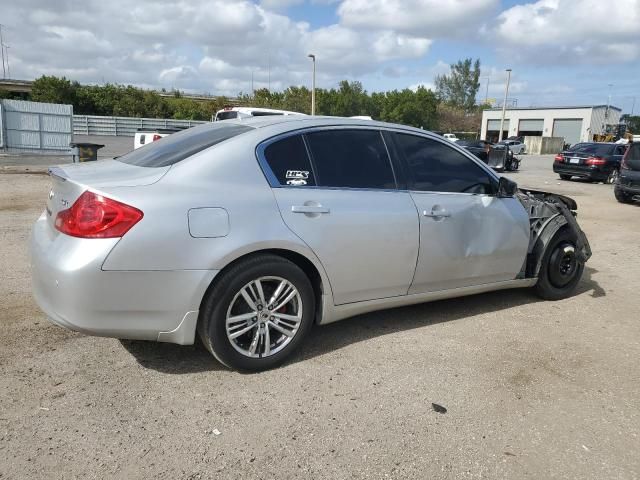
(571, 31)
(199, 45)
(424, 18)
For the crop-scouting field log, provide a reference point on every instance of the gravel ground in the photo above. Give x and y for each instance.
(532, 389)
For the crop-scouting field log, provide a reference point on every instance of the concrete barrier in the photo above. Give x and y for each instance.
(543, 145)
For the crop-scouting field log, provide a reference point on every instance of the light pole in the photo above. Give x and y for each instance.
(313, 84)
(486, 95)
(504, 104)
(606, 113)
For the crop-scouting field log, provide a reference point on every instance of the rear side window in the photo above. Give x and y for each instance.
(350, 159)
(178, 146)
(289, 162)
(436, 167)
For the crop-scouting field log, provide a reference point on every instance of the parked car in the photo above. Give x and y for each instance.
(591, 160)
(145, 136)
(239, 113)
(497, 156)
(480, 148)
(249, 232)
(627, 187)
(451, 137)
(516, 146)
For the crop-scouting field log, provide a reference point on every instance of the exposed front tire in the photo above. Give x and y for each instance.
(561, 270)
(621, 196)
(564, 176)
(257, 313)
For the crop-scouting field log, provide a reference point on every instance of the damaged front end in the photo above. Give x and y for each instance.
(548, 213)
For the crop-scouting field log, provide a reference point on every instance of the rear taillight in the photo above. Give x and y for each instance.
(96, 216)
(559, 158)
(595, 161)
(156, 137)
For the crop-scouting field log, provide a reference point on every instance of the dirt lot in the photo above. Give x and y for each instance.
(532, 389)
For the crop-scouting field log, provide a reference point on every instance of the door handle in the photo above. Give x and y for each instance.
(436, 214)
(309, 209)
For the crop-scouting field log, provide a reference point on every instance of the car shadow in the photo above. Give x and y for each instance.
(177, 359)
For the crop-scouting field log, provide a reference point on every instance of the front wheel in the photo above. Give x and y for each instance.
(257, 313)
(621, 196)
(561, 268)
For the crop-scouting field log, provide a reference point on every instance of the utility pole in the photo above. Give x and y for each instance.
(253, 91)
(4, 72)
(313, 84)
(269, 72)
(633, 105)
(486, 95)
(606, 113)
(504, 104)
(6, 49)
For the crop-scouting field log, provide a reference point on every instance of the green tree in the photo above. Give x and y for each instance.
(460, 87)
(52, 89)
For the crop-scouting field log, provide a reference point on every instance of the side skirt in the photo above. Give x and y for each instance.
(333, 313)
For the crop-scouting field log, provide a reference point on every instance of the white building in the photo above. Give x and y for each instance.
(574, 124)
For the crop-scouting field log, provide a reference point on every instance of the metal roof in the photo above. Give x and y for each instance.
(556, 107)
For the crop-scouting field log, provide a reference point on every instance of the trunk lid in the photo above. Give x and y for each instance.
(70, 181)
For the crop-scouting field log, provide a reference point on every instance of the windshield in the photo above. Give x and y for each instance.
(597, 149)
(178, 146)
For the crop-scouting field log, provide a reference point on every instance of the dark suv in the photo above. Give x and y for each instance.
(627, 188)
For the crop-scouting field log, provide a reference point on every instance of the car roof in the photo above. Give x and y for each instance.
(294, 122)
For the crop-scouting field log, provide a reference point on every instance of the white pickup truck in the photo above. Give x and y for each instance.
(146, 135)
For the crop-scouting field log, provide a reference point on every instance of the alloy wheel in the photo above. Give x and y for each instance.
(264, 317)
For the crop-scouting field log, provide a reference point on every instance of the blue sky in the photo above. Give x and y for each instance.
(562, 52)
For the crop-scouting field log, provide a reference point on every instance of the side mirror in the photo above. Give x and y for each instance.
(506, 188)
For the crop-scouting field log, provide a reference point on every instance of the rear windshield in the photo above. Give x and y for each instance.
(227, 115)
(598, 149)
(178, 146)
(633, 156)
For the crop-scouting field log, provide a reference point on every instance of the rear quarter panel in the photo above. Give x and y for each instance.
(226, 176)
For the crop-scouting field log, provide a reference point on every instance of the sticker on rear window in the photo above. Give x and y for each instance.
(297, 177)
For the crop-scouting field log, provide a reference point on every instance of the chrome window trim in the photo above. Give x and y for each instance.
(274, 183)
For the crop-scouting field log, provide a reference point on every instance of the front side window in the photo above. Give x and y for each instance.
(289, 162)
(350, 159)
(436, 167)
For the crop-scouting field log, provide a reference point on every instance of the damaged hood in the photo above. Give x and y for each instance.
(568, 201)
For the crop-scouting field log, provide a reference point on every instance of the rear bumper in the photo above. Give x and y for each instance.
(593, 173)
(70, 287)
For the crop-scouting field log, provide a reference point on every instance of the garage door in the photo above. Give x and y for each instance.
(531, 127)
(495, 125)
(568, 128)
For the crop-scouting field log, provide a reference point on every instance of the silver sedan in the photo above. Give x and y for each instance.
(247, 233)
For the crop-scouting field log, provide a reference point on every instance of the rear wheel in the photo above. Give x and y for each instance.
(564, 176)
(257, 313)
(621, 196)
(613, 176)
(561, 269)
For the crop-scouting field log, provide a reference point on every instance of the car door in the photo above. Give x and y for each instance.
(336, 190)
(468, 236)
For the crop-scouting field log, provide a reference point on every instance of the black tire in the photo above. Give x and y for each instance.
(564, 176)
(217, 300)
(552, 283)
(612, 177)
(621, 196)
